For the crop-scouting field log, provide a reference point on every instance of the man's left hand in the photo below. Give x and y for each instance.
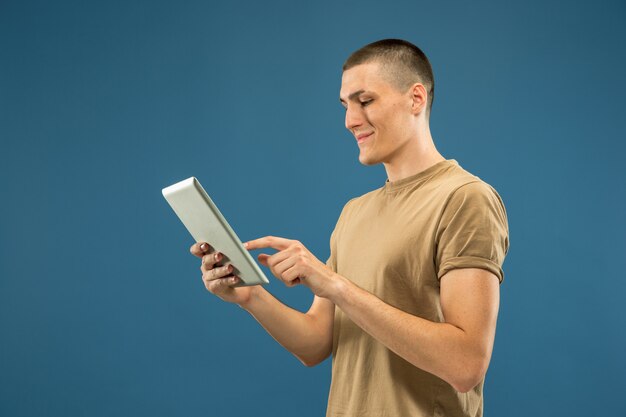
(294, 264)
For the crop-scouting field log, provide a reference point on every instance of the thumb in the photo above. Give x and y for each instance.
(263, 258)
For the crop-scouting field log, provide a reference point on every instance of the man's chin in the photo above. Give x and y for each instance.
(368, 161)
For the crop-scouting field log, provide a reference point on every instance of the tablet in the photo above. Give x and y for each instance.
(204, 221)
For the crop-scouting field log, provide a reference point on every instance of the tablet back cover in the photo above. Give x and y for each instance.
(203, 220)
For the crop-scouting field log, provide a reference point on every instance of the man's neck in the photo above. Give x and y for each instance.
(417, 156)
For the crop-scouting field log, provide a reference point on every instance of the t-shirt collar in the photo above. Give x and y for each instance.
(420, 176)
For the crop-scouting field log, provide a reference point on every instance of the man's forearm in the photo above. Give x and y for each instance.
(439, 348)
(295, 331)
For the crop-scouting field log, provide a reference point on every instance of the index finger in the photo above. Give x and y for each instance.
(278, 243)
(200, 249)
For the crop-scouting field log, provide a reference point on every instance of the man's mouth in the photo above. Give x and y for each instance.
(362, 137)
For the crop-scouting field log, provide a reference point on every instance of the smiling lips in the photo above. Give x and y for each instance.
(360, 138)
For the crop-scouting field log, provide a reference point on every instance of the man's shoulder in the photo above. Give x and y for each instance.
(470, 184)
(470, 192)
(458, 181)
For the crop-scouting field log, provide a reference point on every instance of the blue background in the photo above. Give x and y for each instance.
(102, 104)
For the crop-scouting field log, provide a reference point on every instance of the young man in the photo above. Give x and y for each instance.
(408, 300)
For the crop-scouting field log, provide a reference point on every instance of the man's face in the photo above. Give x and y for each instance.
(378, 115)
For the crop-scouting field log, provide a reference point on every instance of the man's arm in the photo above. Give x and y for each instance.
(308, 336)
(457, 350)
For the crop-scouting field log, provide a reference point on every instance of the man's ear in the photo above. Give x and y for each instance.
(419, 96)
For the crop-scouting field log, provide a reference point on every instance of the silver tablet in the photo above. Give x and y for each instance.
(204, 221)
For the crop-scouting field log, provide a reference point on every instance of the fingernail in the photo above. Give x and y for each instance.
(203, 247)
(218, 256)
(245, 245)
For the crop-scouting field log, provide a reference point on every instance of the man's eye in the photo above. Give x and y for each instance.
(366, 102)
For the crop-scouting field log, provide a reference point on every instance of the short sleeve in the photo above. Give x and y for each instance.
(473, 231)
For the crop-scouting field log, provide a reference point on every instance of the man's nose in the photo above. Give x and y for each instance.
(353, 118)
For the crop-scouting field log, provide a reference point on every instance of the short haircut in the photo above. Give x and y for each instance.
(402, 63)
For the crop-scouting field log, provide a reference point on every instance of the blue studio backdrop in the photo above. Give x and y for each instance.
(102, 104)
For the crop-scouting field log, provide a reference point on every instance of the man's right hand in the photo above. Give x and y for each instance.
(217, 278)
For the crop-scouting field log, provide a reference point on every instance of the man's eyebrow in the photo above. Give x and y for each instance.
(352, 96)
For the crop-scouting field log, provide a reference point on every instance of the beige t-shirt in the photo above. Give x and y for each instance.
(397, 242)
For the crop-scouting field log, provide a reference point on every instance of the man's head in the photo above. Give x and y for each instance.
(387, 89)
(402, 65)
